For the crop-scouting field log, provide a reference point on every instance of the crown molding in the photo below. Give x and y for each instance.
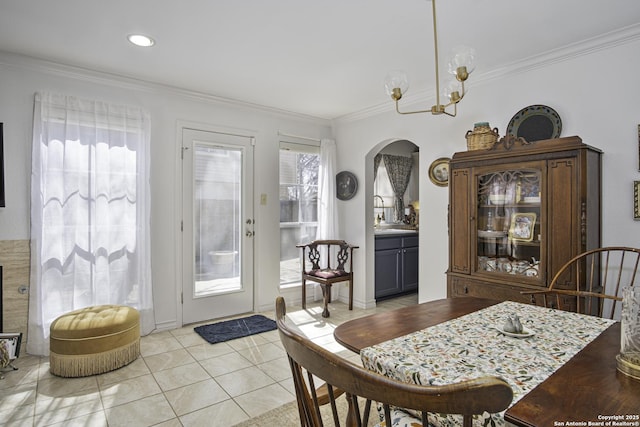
(19, 61)
(605, 41)
(586, 47)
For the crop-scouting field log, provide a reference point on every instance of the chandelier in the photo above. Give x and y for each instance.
(461, 64)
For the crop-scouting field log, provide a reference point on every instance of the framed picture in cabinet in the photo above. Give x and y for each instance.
(528, 190)
(522, 226)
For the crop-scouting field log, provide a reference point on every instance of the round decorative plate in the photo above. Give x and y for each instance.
(347, 185)
(534, 123)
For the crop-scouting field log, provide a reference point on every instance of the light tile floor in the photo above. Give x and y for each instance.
(179, 380)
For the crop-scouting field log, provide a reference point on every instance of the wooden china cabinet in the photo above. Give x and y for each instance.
(518, 212)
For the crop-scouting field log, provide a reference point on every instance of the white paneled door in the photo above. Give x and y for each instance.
(218, 225)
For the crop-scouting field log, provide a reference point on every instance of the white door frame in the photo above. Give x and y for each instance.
(178, 211)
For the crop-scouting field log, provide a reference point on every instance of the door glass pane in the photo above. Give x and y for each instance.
(509, 218)
(217, 219)
(298, 207)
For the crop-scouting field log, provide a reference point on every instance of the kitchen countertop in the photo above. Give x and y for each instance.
(384, 232)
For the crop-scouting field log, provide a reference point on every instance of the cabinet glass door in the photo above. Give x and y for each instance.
(509, 218)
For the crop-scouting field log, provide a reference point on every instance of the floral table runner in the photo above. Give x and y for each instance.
(471, 346)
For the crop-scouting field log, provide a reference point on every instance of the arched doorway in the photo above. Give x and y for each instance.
(392, 255)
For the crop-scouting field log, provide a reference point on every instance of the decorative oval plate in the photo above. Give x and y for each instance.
(525, 333)
(347, 185)
(534, 123)
(439, 171)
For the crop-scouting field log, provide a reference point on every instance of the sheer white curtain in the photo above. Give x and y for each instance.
(328, 227)
(90, 218)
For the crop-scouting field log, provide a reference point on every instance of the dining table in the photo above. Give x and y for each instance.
(562, 370)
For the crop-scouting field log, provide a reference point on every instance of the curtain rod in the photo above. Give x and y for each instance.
(297, 136)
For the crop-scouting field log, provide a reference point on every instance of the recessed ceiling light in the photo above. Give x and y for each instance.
(141, 40)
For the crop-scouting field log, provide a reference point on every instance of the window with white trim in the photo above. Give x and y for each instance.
(299, 167)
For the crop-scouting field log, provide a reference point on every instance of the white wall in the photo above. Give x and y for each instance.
(597, 98)
(594, 93)
(21, 77)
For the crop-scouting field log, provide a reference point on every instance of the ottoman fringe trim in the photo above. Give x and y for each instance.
(84, 365)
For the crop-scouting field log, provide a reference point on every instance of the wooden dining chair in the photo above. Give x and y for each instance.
(327, 269)
(591, 282)
(310, 363)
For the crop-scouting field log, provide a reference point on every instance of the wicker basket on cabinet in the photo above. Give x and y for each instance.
(482, 137)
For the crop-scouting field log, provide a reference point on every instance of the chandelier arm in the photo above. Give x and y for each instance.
(410, 112)
(435, 50)
(435, 110)
(462, 93)
(455, 96)
(455, 111)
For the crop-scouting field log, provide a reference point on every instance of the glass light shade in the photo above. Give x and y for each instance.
(448, 88)
(396, 79)
(462, 56)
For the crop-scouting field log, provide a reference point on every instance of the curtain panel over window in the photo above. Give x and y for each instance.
(376, 163)
(328, 226)
(90, 211)
(399, 170)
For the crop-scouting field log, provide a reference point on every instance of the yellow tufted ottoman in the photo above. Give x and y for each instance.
(94, 340)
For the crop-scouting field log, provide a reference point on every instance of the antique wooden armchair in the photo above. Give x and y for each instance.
(327, 269)
(309, 363)
(591, 282)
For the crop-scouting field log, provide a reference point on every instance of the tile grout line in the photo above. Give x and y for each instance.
(181, 342)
